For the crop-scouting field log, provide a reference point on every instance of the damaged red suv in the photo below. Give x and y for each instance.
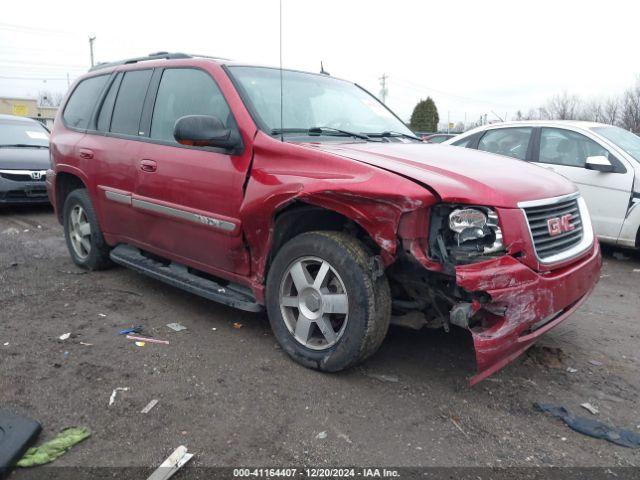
(302, 194)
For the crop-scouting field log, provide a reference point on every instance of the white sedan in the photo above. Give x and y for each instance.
(602, 160)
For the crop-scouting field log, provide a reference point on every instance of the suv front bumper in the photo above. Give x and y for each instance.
(531, 303)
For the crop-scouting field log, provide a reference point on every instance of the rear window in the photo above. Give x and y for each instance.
(128, 106)
(79, 108)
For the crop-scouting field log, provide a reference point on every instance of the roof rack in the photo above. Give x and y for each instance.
(152, 56)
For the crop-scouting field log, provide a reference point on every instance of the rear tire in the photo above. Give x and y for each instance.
(85, 242)
(327, 308)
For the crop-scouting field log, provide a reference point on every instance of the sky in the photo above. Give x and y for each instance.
(472, 57)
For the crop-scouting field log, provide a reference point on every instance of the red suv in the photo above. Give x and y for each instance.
(302, 194)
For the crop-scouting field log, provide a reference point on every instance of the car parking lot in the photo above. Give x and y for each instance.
(229, 394)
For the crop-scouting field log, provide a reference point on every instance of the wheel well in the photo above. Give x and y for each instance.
(65, 184)
(299, 218)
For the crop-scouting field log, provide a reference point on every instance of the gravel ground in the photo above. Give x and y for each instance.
(229, 394)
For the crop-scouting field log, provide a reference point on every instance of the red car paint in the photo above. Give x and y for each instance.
(385, 188)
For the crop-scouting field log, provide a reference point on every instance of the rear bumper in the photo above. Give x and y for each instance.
(22, 193)
(533, 303)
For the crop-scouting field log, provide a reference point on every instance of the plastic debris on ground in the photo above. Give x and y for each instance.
(596, 363)
(140, 344)
(592, 428)
(321, 435)
(590, 408)
(237, 325)
(49, 451)
(64, 336)
(150, 405)
(147, 339)
(101, 315)
(383, 378)
(86, 344)
(112, 399)
(172, 464)
(126, 331)
(572, 370)
(176, 327)
(6, 344)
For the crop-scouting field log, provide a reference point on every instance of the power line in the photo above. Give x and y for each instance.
(5, 61)
(34, 30)
(418, 86)
(20, 50)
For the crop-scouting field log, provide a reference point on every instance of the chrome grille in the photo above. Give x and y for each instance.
(22, 175)
(546, 244)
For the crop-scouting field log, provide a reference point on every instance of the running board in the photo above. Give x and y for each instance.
(178, 275)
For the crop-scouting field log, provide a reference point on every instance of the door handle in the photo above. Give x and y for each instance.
(86, 153)
(148, 165)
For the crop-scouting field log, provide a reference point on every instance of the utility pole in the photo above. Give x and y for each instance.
(91, 40)
(383, 90)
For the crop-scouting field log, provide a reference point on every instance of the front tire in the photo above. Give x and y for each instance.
(327, 308)
(85, 242)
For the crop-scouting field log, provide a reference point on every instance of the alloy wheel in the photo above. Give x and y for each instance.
(80, 232)
(314, 303)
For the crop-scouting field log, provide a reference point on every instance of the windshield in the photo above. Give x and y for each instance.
(23, 134)
(623, 139)
(312, 101)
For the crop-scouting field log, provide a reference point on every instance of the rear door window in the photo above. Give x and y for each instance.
(511, 142)
(186, 91)
(80, 105)
(128, 107)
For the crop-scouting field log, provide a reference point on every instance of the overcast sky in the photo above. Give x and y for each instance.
(472, 57)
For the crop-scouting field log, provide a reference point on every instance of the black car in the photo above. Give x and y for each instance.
(24, 160)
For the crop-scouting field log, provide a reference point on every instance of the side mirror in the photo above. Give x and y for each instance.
(599, 163)
(203, 131)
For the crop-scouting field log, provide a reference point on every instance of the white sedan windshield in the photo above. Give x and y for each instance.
(312, 101)
(627, 141)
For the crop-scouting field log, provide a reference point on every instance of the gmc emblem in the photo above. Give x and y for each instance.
(560, 225)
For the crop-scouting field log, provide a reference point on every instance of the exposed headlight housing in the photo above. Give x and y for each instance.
(465, 234)
(467, 223)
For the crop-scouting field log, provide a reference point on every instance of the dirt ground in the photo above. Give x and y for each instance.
(235, 399)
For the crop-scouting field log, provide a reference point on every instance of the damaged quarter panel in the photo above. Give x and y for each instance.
(284, 172)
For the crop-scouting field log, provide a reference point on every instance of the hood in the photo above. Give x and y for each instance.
(459, 174)
(24, 159)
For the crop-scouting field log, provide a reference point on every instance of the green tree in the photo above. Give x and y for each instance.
(425, 116)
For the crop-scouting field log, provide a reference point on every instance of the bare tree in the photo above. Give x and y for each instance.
(49, 99)
(630, 109)
(593, 111)
(532, 114)
(611, 110)
(563, 107)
